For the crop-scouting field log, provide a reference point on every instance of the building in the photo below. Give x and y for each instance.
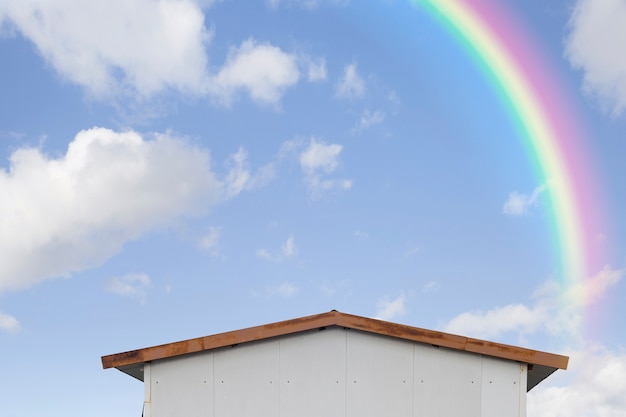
(335, 364)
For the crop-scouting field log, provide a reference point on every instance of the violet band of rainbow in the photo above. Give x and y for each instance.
(546, 121)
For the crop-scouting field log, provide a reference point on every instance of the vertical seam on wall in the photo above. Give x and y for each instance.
(413, 382)
(279, 383)
(345, 377)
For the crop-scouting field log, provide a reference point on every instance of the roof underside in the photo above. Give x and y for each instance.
(541, 364)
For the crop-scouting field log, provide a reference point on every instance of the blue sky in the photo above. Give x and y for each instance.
(173, 169)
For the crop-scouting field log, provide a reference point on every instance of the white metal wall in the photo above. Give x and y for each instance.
(335, 373)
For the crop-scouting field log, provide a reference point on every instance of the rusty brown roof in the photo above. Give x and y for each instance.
(546, 363)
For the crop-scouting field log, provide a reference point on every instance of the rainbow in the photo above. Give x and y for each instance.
(547, 121)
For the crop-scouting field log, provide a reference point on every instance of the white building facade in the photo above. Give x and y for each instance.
(335, 365)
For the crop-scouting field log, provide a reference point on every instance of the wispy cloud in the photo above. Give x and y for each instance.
(211, 240)
(318, 161)
(431, 286)
(519, 204)
(595, 45)
(413, 250)
(361, 234)
(316, 68)
(309, 5)
(284, 290)
(350, 85)
(9, 323)
(129, 285)
(287, 250)
(368, 119)
(390, 309)
(240, 178)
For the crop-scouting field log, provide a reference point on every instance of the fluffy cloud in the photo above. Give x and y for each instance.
(319, 160)
(596, 387)
(595, 382)
(492, 323)
(554, 310)
(8, 323)
(140, 48)
(519, 204)
(263, 70)
(390, 309)
(102, 45)
(595, 44)
(350, 85)
(130, 285)
(63, 215)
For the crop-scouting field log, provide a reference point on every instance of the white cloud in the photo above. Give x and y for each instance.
(320, 159)
(304, 4)
(431, 286)
(519, 204)
(554, 310)
(595, 387)
(129, 285)
(316, 69)
(9, 323)
(211, 239)
(593, 289)
(139, 48)
(413, 250)
(63, 215)
(285, 290)
(370, 118)
(263, 70)
(595, 381)
(361, 234)
(320, 156)
(240, 178)
(391, 309)
(287, 250)
(595, 44)
(492, 323)
(105, 45)
(350, 85)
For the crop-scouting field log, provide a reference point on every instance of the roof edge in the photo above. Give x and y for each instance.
(336, 318)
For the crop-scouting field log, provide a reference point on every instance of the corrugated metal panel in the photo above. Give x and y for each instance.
(427, 377)
(246, 380)
(313, 374)
(460, 384)
(380, 376)
(335, 373)
(183, 387)
(501, 388)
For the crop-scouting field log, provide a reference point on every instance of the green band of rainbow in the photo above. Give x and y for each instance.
(545, 118)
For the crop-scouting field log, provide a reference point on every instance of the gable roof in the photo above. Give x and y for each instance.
(541, 364)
